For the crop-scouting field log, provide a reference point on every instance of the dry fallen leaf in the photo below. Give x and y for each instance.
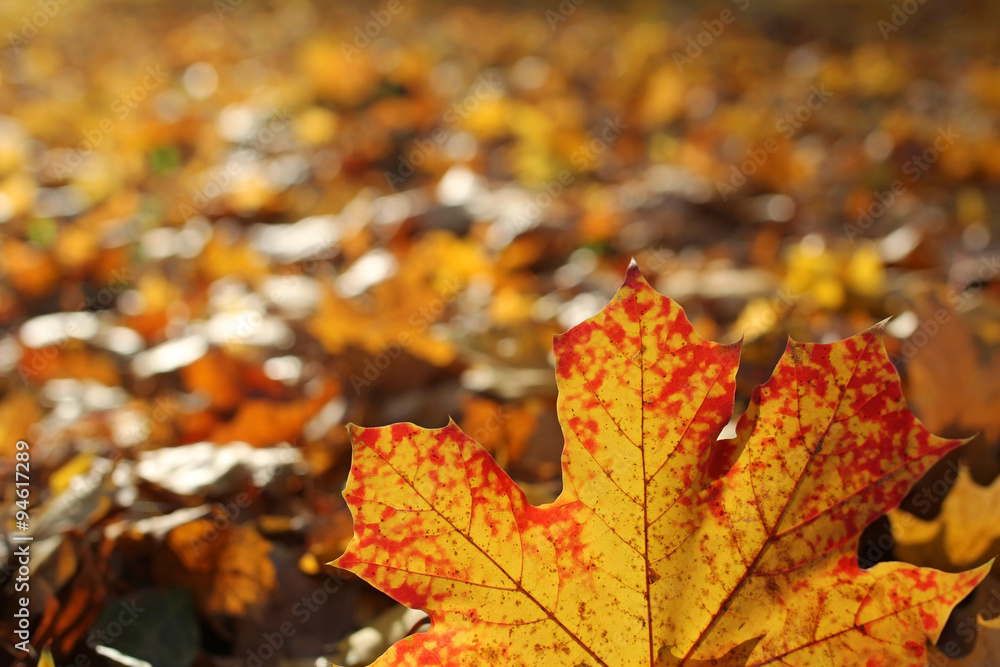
(952, 387)
(225, 381)
(986, 650)
(405, 302)
(69, 582)
(973, 632)
(213, 470)
(666, 546)
(227, 566)
(966, 533)
(264, 423)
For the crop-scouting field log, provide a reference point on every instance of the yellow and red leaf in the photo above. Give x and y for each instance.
(666, 546)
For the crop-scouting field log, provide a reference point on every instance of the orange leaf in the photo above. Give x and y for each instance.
(216, 376)
(73, 601)
(225, 380)
(227, 567)
(264, 423)
(666, 546)
(32, 272)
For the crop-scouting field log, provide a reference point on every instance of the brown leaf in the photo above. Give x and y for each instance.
(954, 386)
(227, 566)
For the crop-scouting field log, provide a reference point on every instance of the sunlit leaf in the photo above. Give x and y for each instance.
(666, 545)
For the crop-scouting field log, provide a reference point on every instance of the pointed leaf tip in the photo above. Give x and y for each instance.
(633, 275)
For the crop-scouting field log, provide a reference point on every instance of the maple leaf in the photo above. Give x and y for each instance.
(965, 533)
(666, 545)
(954, 385)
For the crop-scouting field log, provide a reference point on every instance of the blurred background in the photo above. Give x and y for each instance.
(229, 228)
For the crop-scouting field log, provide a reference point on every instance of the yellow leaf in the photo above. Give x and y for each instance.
(966, 532)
